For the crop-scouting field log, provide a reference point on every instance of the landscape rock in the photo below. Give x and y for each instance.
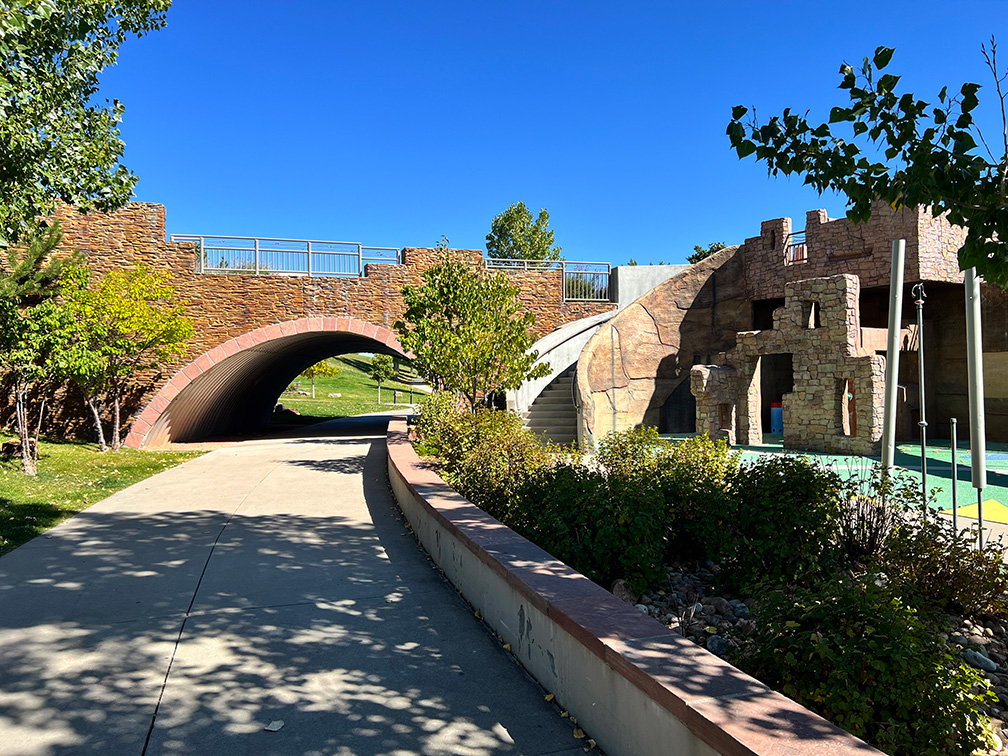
(979, 661)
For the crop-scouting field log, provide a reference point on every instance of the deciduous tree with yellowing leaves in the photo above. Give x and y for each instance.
(126, 322)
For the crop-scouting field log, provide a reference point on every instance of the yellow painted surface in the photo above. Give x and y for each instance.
(993, 511)
(995, 367)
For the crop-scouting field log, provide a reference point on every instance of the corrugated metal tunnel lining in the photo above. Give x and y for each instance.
(238, 394)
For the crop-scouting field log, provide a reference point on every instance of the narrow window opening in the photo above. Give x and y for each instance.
(847, 402)
(810, 315)
(724, 416)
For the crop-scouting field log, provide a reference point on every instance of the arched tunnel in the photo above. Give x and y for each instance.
(233, 388)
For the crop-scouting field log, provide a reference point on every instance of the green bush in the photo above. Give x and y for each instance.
(501, 462)
(630, 453)
(437, 412)
(931, 564)
(693, 476)
(604, 527)
(781, 522)
(872, 506)
(853, 652)
(451, 433)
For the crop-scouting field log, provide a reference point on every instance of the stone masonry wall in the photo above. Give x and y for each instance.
(837, 401)
(224, 306)
(839, 246)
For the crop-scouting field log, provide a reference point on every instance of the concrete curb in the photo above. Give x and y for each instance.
(635, 686)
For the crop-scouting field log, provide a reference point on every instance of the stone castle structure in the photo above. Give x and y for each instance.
(797, 321)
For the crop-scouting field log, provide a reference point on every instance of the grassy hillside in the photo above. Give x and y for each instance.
(358, 394)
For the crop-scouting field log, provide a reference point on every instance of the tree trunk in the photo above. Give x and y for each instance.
(115, 421)
(28, 466)
(96, 414)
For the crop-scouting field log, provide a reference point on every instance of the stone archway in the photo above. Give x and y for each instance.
(232, 388)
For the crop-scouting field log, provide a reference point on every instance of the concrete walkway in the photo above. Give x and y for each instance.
(268, 580)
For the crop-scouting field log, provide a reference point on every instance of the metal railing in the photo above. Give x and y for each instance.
(582, 281)
(795, 249)
(285, 257)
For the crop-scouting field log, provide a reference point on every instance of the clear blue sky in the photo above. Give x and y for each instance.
(392, 123)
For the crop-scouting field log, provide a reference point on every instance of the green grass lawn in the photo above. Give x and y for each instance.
(72, 476)
(358, 393)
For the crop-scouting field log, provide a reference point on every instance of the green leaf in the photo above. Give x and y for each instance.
(882, 56)
(738, 111)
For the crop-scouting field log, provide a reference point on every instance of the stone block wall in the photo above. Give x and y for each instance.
(836, 404)
(225, 306)
(839, 246)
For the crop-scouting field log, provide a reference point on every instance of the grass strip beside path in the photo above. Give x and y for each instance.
(72, 476)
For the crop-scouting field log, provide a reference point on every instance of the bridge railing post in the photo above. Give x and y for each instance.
(309, 260)
(360, 260)
(257, 257)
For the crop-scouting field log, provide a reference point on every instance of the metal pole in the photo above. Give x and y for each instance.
(309, 275)
(955, 480)
(918, 292)
(892, 355)
(612, 368)
(974, 371)
(257, 257)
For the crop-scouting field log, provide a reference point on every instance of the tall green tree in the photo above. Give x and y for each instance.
(126, 322)
(905, 151)
(515, 235)
(32, 327)
(468, 332)
(56, 141)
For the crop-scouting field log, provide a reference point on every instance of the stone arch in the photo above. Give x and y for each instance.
(232, 388)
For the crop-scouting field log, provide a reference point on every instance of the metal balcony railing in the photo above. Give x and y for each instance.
(795, 249)
(285, 257)
(582, 281)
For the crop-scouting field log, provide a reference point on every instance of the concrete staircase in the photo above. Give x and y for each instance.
(552, 414)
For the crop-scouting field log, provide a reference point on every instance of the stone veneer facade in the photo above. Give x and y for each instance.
(725, 313)
(227, 306)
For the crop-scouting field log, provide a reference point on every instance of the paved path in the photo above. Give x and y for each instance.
(268, 580)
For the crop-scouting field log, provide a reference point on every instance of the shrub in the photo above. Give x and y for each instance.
(604, 527)
(781, 521)
(452, 433)
(694, 475)
(501, 462)
(939, 568)
(856, 654)
(630, 453)
(438, 411)
(872, 507)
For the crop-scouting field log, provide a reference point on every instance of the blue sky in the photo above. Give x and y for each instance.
(392, 123)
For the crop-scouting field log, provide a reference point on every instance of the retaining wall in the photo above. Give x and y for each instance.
(635, 686)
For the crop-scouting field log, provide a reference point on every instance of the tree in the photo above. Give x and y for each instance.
(701, 253)
(382, 368)
(514, 235)
(126, 323)
(31, 327)
(468, 332)
(57, 143)
(912, 154)
(323, 369)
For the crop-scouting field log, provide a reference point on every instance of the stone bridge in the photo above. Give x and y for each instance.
(256, 333)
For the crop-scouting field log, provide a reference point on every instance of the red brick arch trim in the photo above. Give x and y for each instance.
(150, 414)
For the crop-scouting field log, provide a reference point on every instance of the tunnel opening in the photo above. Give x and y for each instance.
(236, 394)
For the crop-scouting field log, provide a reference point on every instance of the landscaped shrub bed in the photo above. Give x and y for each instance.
(847, 596)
